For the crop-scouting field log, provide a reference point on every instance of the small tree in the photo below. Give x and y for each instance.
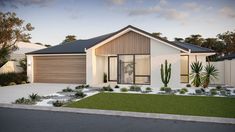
(12, 29)
(195, 75)
(69, 38)
(210, 73)
(23, 65)
(165, 73)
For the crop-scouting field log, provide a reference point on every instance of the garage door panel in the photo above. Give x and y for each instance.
(60, 69)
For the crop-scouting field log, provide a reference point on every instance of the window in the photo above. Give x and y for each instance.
(184, 68)
(142, 69)
(126, 69)
(134, 69)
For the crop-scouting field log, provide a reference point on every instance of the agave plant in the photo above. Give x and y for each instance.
(195, 75)
(34, 97)
(210, 73)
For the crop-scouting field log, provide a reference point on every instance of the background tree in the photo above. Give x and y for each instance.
(158, 34)
(229, 39)
(195, 39)
(179, 39)
(69, 38)
(12, 29)
(47, 45)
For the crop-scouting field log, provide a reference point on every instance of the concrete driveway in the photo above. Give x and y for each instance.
(9, 94)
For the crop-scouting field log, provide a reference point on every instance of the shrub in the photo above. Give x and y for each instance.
(166, 89)
(203, 90)
(79, 87)
(218, 87)
(80, 94)
(188, 85)
(148, 89)
(23, 82)
(224, 93)
(87, 86)
(185, 89)
(34, 97)
(7, 78)
(135, 88)
(23, 65)
(12, 83)
(23, 101)
(57, 103)
(162, 89)
(116, 86)
(182, 91)
(67, 90)
(213, 91)
(108, 88)
(198, 91)
(195, 75)
(124, 89)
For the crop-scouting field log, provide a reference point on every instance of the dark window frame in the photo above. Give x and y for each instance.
(134, 74)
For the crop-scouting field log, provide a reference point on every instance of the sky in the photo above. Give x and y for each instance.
(54, 19)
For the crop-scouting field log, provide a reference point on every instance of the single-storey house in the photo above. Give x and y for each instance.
(129, 56)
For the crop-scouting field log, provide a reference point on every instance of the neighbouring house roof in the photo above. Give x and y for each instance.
(228, 57)
(79, 46)
(194, 48)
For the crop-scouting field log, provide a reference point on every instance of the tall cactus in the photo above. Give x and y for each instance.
(166, 73)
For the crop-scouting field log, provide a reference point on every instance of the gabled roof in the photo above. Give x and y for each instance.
(194, 48)
(74, 47)
(79, 46)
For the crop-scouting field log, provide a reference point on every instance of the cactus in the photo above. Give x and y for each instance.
(166, 73)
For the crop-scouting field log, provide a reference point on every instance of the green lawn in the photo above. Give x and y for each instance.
(169, 104)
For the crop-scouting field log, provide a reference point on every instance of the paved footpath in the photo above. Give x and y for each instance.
(28, 120)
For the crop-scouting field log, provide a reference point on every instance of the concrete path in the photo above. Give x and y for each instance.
(9, 94)
(21, 120)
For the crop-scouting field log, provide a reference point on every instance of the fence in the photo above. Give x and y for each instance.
(226, 70)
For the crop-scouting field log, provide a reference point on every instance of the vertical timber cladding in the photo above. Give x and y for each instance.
(60, 69)
(129, 43)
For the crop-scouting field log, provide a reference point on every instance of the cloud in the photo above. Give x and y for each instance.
(116, 2)
(144, 11)
(17, 3)
(166, 13)
(163, 2)
(192, 6)
(173, 14)
(227, 12)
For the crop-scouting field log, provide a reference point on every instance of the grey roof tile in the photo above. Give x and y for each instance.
(79, 46)
(194, 48)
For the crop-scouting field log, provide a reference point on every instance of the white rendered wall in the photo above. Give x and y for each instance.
(90, 66)
(30, 68)
(159, 53)
(226, 71)
(96, 66)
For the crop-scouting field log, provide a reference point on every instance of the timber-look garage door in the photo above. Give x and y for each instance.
(60, 69)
